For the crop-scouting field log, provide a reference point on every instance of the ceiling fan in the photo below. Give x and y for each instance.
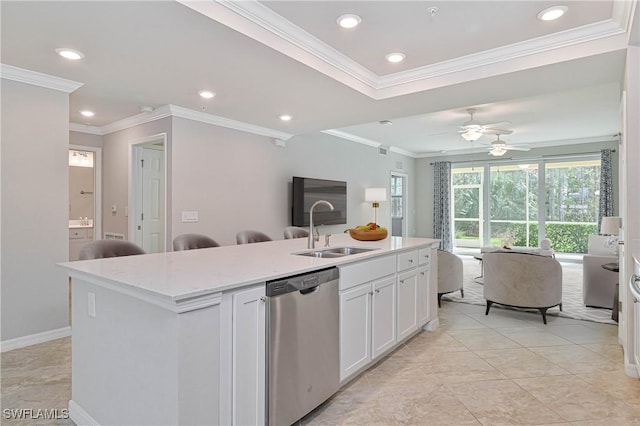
(499, 147)
(472, 129)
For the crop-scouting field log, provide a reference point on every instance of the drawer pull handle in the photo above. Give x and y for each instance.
(370, 293)
(377, 290)
(410, 260)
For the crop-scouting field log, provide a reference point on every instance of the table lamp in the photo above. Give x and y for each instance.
(375, 195)
(610, 225)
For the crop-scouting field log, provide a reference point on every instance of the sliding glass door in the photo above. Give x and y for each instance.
(525, 201)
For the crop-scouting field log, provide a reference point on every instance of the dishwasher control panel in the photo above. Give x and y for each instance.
(301, 282)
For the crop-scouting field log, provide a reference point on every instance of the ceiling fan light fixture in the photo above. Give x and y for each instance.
(497, 151)
(471, 134)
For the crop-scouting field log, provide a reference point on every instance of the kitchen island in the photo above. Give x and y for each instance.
(178, 338)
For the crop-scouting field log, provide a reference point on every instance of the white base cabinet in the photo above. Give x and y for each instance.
(407, 304)
(243, 357)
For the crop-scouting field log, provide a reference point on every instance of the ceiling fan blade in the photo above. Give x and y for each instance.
(516, 148)
(497, 124)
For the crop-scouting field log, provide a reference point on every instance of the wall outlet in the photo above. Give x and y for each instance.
(189, 216)
(91, 304)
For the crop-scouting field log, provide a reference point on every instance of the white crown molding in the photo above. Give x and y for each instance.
(365, 141)
(177, 111)
(85, 128)
(250, 16)
(215, 120)
(35, 78)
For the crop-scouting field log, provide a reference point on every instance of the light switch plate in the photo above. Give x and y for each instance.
(189, 216)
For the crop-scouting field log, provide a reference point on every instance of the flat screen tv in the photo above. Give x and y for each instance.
(307, 191)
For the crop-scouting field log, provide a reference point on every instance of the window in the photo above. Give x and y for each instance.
(526, 201)
(397, 209)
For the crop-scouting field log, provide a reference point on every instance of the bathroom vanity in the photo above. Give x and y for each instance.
(179, 338)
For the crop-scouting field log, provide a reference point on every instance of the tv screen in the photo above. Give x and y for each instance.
(307, 191)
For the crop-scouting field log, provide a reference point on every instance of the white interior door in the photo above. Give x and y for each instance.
(152, 215)
(147, 209)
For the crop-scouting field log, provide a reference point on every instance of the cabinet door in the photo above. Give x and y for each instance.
(636, 325)
(407, 304)
(423, 296)
(355, 331)
(249, 357)
(383, 316)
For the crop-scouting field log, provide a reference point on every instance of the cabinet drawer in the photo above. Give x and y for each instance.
(424, 256)
(407, 260)
(369, 270)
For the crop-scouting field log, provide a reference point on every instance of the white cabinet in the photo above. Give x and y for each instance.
(423, 295)
(636, 326)
(243, 357)
(355, 329)
(78, 237)
(367, 324)
(407, 304)
(383, 316)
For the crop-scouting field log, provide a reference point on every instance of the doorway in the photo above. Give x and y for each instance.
(85, 199)
(147, 194)
(398, 204)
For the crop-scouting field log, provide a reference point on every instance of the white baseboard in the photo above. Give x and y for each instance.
(631, 370)
(432, 325)
(34, 339)
(79, 416)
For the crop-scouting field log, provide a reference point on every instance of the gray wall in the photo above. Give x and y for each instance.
(34, 209)
(239, 181)
(115, 170)
(424, 175)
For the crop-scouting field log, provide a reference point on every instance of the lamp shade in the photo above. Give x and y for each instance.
(610, 225)
(375, 194)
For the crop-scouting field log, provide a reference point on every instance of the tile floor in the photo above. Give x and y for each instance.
(506, 368)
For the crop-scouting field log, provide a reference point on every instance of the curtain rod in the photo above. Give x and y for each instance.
(542, 157)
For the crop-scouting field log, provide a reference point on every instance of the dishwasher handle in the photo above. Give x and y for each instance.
(309, 290)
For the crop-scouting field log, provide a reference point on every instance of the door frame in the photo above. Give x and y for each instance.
(97, 186)
(405, 201)
(135, 183)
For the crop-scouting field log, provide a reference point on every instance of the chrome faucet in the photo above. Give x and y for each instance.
(312, 241)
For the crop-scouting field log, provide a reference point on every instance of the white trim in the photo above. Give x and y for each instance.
(85, 128)
(34, 339)
(177, 111)
(135, 152)
(203, 117)
(79, 416)
(178, 306)
(35, 78)
(257, 21)
(365, 141)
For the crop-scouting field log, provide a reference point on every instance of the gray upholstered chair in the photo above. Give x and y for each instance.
(249, 237)
(598, 284)
(449, 274)
(295, 232)
(522, 280)
(108, 248)
(193, 241)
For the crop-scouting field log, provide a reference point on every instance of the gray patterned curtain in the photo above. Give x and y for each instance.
(606, 185)
(442, 204)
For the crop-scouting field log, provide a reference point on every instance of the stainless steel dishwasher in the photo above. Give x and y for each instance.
(303, 355)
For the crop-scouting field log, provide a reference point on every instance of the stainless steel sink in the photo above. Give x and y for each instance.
(335, 252)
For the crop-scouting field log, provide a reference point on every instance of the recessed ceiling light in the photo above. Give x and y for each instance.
(551, 13)
(395, 57)
(87, 113)
(207, 94)
(349, 20)
(71, 54)
(285, 117)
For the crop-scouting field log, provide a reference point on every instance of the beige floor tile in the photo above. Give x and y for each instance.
(482, 339)
(533, 337)
(520, 362)
(612, 352)
(617, 384)
(459, 322)
(503, 402)
(581, 334)
(436, 341)
(576, 359)
(577, 400)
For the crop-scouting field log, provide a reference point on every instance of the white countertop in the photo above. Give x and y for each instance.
(181, 275)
